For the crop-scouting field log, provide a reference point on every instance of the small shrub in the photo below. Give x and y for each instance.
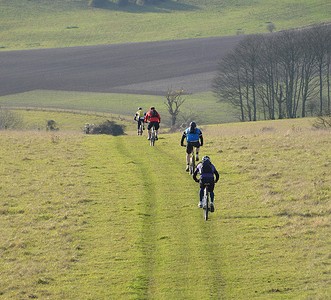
(107, 127)
(51, 126)
(271, 27)
(9, 119)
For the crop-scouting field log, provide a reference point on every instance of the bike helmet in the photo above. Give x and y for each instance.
(206, 158)
(152, 107)
(139, 108)
(193, 125)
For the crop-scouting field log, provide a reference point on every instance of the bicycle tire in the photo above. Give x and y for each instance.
(206, 204)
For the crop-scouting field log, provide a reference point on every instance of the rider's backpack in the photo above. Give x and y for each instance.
(154, 113)
(206, 167)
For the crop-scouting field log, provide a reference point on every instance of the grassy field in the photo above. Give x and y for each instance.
(202, 105)
(47, 23)
(101, 217)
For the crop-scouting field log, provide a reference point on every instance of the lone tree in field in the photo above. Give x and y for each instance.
(174, 99)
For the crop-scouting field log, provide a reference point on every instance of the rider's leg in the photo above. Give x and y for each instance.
(187, 162)
(211, 190)
(139, 122)
(188, 156)
(157, 126)
(212, 196)
(197, 153)
(202, 191)
(149, 127)
(189, 150)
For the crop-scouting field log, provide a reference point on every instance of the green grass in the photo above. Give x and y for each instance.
(121, 105)
(44, 24)
(101, 217)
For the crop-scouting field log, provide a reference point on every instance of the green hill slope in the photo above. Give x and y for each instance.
(47, 23)
(105, 217)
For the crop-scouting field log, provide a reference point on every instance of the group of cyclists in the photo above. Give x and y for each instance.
(194, 140)
(152, 117)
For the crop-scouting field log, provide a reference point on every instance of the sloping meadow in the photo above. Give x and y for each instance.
(101, 217)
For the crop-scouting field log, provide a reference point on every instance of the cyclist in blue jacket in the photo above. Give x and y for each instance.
(208, 175)
(194, 139)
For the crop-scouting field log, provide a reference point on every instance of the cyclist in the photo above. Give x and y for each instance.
(139, 117)
(154, 119)
(208, 174)
(192, 134)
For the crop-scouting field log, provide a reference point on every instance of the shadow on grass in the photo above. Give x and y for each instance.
(246, 217)
(281, 214)
(303, 214)
(161, 7)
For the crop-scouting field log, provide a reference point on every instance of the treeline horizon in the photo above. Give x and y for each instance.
(279, 75)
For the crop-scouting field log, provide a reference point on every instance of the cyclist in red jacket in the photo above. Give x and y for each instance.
(154, 119)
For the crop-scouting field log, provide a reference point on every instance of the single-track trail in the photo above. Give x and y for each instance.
(146, 238)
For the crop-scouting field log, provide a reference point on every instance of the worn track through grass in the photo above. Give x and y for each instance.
(170, 252)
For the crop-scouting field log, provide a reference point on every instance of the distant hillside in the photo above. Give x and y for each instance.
(47, 23)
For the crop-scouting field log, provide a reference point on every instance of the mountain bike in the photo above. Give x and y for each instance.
(141, 128)
(205, 202)
(153, 136)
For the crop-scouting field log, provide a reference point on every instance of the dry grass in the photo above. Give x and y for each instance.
(103, 217)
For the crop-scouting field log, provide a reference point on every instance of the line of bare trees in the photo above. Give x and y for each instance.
(278, 75)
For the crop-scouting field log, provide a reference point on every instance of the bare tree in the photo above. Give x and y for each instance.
(277, 75)
(228, 85)
(173, 102)
(320, 37)
(250, 53)
(10, 119)
(269, 88)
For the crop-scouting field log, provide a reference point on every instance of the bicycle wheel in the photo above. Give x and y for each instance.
(206, 204)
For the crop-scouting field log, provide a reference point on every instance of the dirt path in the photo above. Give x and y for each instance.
(137, 68)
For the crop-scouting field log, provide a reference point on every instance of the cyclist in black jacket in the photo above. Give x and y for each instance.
(208, 174)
